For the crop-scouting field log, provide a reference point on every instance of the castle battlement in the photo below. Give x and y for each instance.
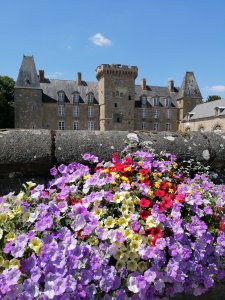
(117, 70)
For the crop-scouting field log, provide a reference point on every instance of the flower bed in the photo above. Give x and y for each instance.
(137, 227)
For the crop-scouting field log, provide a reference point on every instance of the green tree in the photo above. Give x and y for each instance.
(213, 98)
(6, 102)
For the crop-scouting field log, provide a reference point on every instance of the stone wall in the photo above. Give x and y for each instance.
(29, 154)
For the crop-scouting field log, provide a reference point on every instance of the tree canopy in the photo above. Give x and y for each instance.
(6, 102)
(213, 98)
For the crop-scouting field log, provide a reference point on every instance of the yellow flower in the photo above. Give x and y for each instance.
(36, 245)
(124, 208)
(6, 264)
(132, 265)
(118, 255)
(10, 236)
(119, 264)
(1, 261)
(150, 222)
(97, 212)
(3, 218)
(175, 165)
(140, 163)
(93, 241)
(132, 255)
(17, 210)
(142, 266)
(157, 184)
(122, 222)
(109, 222)
(117, 176)
(171, 191)
(154, 175)
(150, 193)
(20, 195)
(159, 174)
(128, 233)
(15, 263)
(87, 177)
(134, 245)
(128, 169)
(105, 171)
(124, 179)
(11, 214)
(30, 184)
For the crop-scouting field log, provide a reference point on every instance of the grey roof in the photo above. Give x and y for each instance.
(53, 86)
(160, 91)
(189, 87)
(207, 109)
(28, 74)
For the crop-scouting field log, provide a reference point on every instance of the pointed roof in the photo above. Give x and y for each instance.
(189, 87)
(28, 74)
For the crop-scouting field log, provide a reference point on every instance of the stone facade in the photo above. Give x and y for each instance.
(206, 117)
(113, 102)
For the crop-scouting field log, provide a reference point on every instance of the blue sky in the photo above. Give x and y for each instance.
(163, 38)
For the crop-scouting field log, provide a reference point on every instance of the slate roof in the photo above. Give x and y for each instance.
(189, 87)
(28, 74)
(207, 109)
(51, 89)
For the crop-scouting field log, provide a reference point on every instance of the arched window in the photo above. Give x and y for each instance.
(61, 96)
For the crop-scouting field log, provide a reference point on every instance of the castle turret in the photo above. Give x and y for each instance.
(28, 96)
(116, 96)
(188, 97)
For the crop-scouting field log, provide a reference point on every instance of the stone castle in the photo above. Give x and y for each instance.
(113, 102)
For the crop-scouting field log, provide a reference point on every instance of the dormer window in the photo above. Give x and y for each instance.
(217, 128)
(167, 101)
(156, 101)
(143, 100)
(61, 96)
(76, 98)
(219, 110)
(189, 116)
(90, 98)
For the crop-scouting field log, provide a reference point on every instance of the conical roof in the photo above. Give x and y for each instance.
(189, 87)
(28, 74)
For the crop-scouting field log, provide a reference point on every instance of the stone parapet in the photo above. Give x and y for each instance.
(29, 154)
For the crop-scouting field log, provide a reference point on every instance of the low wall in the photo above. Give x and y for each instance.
(29, 154)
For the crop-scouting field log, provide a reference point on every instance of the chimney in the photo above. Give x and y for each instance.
(79, 78)
(170, 85)
(143, 84)
(41, 75)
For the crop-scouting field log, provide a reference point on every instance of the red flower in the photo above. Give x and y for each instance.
(144, 171)
(163, 185)
(159, 193)
(144, 203)
(167, 202)
(222, 226)
(115, 157)
(79, 235)
(144, 214)
(128, 160)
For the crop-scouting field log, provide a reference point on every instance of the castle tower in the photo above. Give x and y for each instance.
(188, 97)
(28, 96)
(116, 96)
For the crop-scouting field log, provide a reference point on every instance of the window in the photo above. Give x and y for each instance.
(61, 96)
(168, 126)
(156, 101)
(121, 94)
(76, 111)
(143, 125)
(143, 100)
(129, 97)
(156, 126)
(167, 101)
(90, 125)
(117, 93)
(90, 98)
(76, 98)
(61, 125)
(34, 107)
(76, 125)
(168, 114)
(61, 110)
(115, 104)
(201, 129)
(156, 114)
(143, 113)
(90, 111)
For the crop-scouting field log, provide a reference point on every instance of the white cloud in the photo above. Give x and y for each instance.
(216, 88)
(54, 75)
(99, 40)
